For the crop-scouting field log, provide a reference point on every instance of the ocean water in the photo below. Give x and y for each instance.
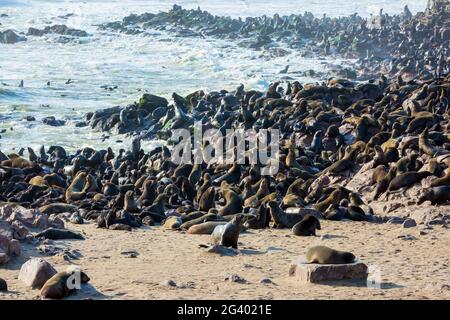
(158, 62)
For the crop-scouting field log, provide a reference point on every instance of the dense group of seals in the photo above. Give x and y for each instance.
(406, 43)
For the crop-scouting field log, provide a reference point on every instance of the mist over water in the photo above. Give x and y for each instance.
(158, 62)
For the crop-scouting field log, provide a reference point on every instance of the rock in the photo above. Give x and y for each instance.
(409, 223)
(14, 248)
(407, 237)
(266, 281)
(234, 278)
(222, 250)
(392, 207)
(313, 273)
(396, 220)
(35, 272)
(120, 226)
(148, 221)
(150, 102)
(75, 218)
(3, 285)
(20, 232)
(56, 222)
(58, 29)
(29, 118)
(4, 258)
(51, 121)
(10, 37)
(169, 283)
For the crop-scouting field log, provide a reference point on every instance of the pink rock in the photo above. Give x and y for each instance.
(4, 243)
(35, 272)
(14, 248)
(41, 221)
(4, 258)
(20, 232)
(313, 273)
(56, 222)
(5, 211)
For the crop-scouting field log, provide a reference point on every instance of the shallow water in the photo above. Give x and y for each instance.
(158, 63)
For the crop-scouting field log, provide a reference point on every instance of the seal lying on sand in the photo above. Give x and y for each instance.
(58, 234)
(60, 285)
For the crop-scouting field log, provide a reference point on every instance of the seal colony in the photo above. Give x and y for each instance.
(391, 44)
(392, 129)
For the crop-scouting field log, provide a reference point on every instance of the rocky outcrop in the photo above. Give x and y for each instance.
(57, 29)
(10, 37)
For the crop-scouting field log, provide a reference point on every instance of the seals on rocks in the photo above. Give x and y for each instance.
(307, 226)
(326, 255)
(227, 235)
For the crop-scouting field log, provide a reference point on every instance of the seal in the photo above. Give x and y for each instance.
(233, 202)
(130, 204)
(443, 181)
(205, 227)
(58, 234)
(307, 226)
(333, 198)
(227, 235)
(58, 207)
(206, 201)
(282, 219)
(326, 255)
(60, 286)
(75, 191)
(407, 179)
(436, 195)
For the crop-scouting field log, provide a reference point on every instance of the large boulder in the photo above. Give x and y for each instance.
(150, 102)
(35, 272)
(10, 37)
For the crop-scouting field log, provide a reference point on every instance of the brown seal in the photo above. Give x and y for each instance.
(75, 191)
(326, 255)
(436, 195)
(307, 226)
(227, 235)
(59, 286)
(205, 227)
(407, 179)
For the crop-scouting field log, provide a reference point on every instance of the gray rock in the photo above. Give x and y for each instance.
(266, 281)
(222, 250)
(35, 272)
(409, 223)
(169, 283)
(10, 37)
(396, 220)
(234, 278)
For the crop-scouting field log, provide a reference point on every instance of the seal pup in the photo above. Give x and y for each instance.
(227, 235)
(326, 255)
(307, 226)
(57, 287)
(233, 202)
(130, 204)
